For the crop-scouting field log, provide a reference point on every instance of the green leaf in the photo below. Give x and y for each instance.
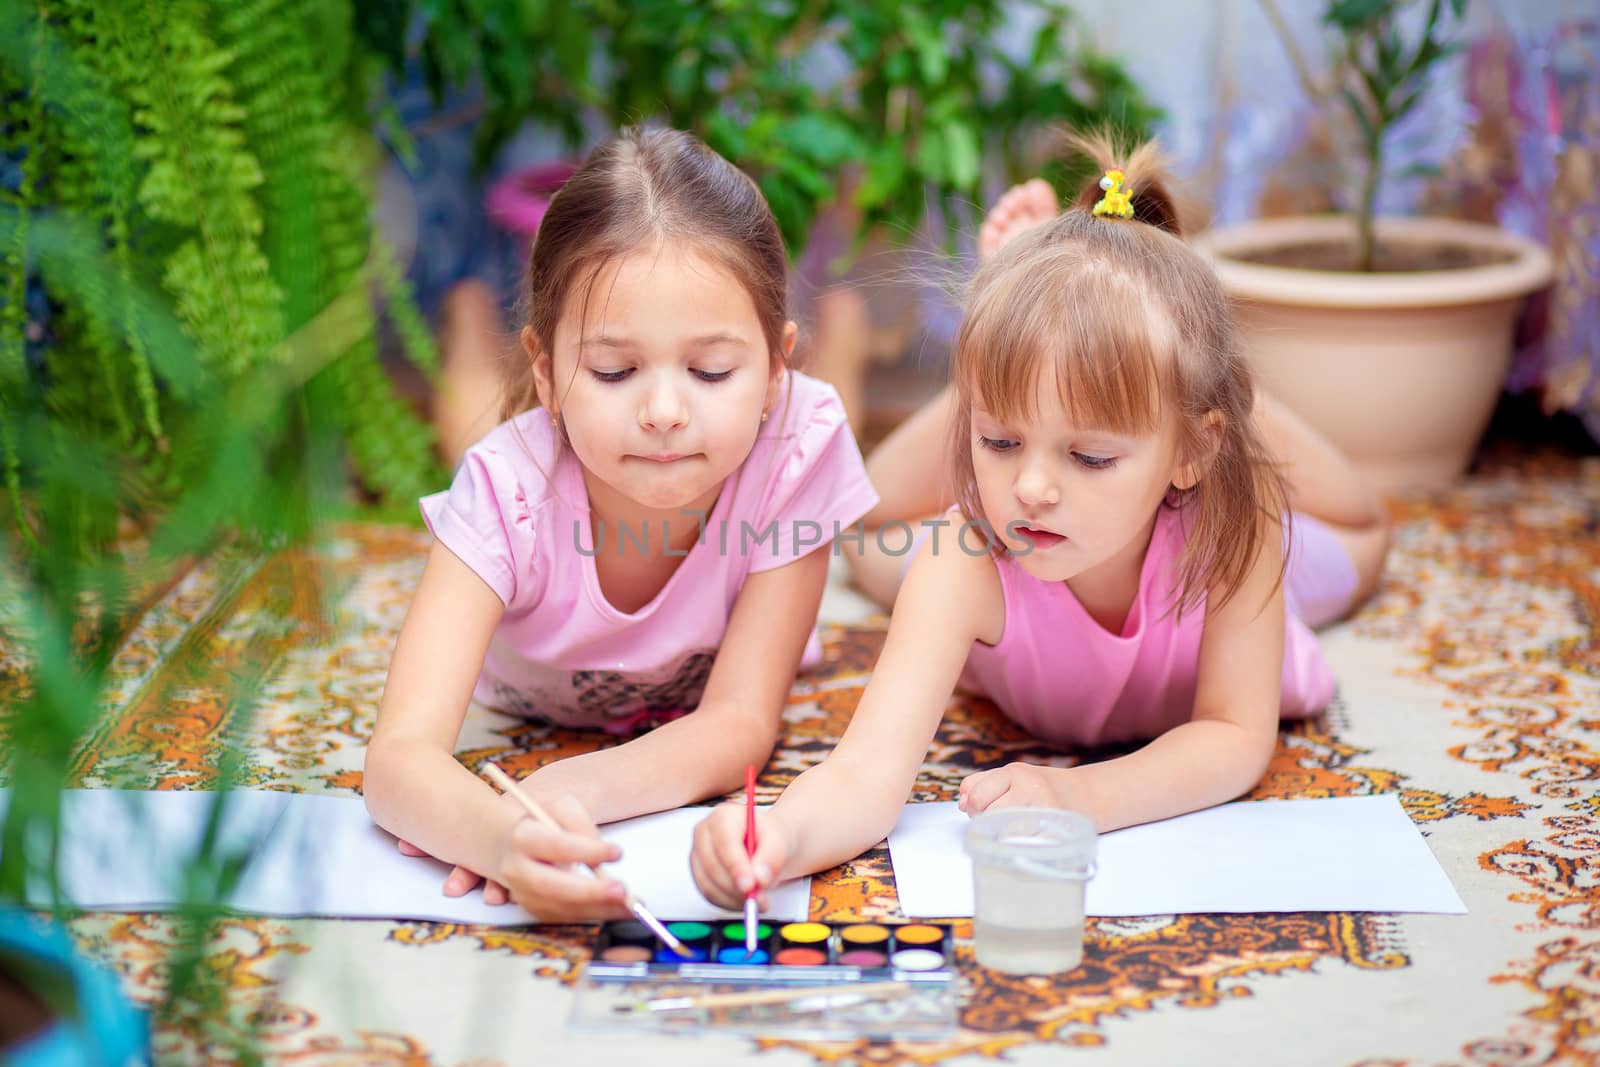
(1377, 94)
(930, 156)
(1369, 131)
(1046, 44)
(824, 138)
(961, 155)
(926, 43)
(1353, 14)
(886, 170)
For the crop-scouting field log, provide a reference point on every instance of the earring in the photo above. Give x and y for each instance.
(763, 416)
(555, 420)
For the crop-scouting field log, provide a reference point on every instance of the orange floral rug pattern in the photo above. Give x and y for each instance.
(1491, 621)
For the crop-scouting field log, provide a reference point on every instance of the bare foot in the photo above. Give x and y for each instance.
(1022, 206)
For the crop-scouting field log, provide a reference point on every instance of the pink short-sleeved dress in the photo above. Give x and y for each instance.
(517, 513)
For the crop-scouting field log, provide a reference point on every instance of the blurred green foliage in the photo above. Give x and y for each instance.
(915, 100)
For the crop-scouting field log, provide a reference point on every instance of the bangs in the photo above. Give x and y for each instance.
(1091, 330)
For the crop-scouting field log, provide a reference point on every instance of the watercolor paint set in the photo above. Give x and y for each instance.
(811, 980)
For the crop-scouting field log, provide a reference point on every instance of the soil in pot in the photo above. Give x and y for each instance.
(1397, 257)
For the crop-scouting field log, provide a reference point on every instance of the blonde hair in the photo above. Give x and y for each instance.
(649, 184)
(1132, 321)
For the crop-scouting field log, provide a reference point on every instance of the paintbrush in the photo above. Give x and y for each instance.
(635, 905)
(751, 912)
(825, 996)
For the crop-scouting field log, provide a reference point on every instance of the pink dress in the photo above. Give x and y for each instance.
(562, 652)
(1066, 679)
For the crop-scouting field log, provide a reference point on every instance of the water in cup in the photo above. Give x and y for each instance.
(1029, 866)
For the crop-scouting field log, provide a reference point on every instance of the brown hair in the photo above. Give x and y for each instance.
(649, 184)
(1132, 320)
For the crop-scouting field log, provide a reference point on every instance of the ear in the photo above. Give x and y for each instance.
(1209, 441)
(778, 367)
(543, 380)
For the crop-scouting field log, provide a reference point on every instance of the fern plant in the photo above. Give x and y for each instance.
(189, 292)
(208, 149)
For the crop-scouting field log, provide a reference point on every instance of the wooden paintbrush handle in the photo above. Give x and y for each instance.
(781, 996)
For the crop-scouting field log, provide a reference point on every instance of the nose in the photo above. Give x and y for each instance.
(663, 409)
(1035, 488)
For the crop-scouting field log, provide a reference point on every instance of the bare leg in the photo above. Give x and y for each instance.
(877, 572)
(910, 470)
(473, 348)
(910, 467)
(1325, 485)
(842, 347)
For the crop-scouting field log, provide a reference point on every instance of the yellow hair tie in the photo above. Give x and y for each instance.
(1117, 201)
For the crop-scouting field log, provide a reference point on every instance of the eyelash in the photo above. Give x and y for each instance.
(611, 377)
(1083, 459)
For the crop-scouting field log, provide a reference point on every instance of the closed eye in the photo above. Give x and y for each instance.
(996, 444)
(1094, 463)
(611, 375)
(712, 376)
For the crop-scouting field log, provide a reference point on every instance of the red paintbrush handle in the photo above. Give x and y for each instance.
(750, 814)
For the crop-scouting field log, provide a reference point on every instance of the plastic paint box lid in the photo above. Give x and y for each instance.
(1043, 842)
(615, 987)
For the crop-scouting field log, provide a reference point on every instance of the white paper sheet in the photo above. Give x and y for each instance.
(323, 856)
(1338, 854)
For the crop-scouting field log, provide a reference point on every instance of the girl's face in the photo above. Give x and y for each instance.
(662, 387)
(1070, 501)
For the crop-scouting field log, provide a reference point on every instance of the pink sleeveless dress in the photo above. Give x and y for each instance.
(1065, 679)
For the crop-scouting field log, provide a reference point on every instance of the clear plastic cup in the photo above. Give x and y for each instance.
(1029, 868)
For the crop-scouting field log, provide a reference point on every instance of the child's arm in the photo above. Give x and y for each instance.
(416, 789)
(1217, 755)
(846, 804)
(736, 724)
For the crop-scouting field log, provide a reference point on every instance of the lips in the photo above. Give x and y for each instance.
(1039, 539)
(664, 457)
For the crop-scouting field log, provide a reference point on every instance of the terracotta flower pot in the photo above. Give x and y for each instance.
(1400, 370)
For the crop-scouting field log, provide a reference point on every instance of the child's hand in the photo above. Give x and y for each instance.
(535, 866)
(460, 880)
(1017, 785)
(722, 870)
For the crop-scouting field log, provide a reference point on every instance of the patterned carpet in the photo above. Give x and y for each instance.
(1470, 686)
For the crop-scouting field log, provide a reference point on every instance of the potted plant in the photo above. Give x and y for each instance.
(1390, 335)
